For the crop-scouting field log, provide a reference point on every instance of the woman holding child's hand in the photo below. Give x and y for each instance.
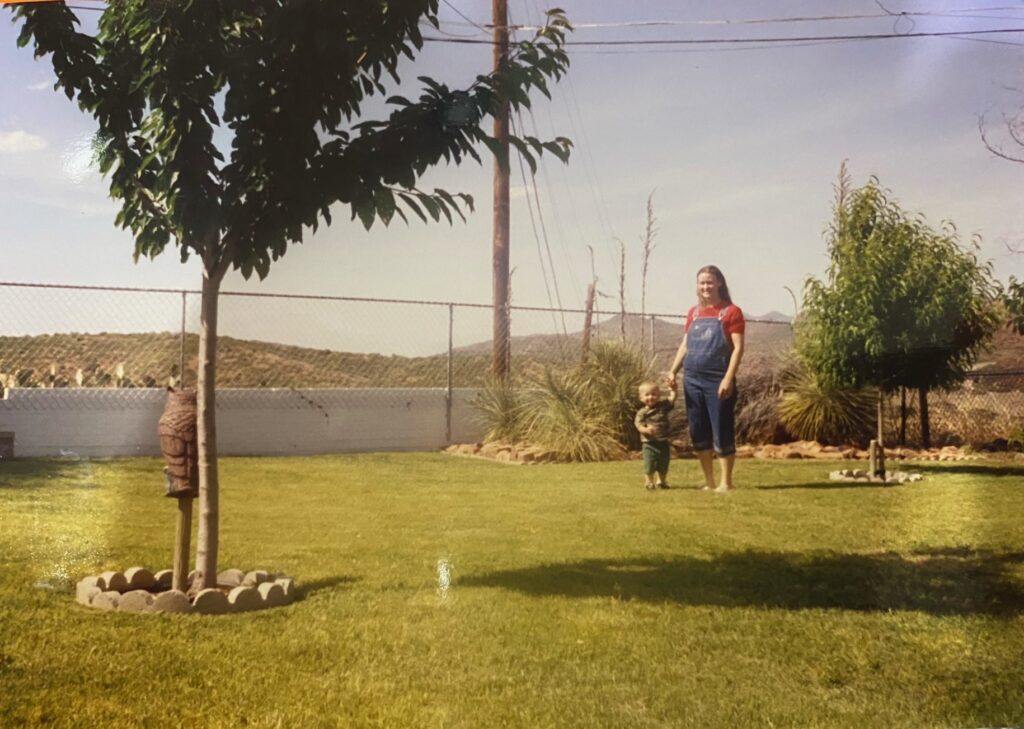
(710, 355)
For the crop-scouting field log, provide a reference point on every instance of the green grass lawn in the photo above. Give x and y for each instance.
(577, 599)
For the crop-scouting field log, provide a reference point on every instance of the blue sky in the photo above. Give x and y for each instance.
(741, 148)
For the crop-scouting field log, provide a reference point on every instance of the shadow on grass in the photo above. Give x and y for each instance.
(978, 469)
(938, 582)
(37, 473)
(326, 584)
(825, 485)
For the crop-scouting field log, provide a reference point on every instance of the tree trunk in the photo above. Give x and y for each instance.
(880, 437)
(926, 426)
(208, 535)
(903, 417)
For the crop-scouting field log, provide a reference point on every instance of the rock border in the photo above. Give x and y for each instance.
(525, 454)
(858, 475)
(137, 590)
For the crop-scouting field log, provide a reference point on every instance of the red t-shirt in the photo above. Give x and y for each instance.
(732, 323)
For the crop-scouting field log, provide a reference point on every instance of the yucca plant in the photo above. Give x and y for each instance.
(567, 419)
(581, 413)
(500, 408)
(611, 375)
(826, 414)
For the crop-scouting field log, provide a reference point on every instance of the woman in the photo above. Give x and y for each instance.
(710, 354)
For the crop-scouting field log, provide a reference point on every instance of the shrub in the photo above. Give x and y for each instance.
(565, 417)
(500, 408)
(757, 408)
(611, 375)
(831, 415)
(580, 413)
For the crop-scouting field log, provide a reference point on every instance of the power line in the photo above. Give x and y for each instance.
(726, 41)
(463, 16)
(958, 13)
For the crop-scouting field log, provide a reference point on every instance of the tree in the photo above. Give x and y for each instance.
(286, 81)
(1013, 294)
(903, 305)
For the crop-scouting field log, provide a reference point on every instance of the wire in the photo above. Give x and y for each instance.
(463, 16)
(726, 41)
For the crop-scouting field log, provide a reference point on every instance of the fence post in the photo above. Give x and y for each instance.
(181, 359)
(448, 391)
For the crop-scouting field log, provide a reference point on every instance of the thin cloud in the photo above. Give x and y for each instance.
(40, 86)
(20, 141)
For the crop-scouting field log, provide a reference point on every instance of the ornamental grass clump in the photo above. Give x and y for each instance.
(578, 413)
(831, 415)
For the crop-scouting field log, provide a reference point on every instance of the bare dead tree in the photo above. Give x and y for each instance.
(647, 240)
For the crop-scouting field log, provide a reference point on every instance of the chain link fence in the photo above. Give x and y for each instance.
(987, 411)
(106, 337)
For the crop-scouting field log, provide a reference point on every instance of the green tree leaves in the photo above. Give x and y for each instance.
(280, 87)
(903, 304)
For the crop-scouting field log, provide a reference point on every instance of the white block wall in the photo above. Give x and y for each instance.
(99, 423)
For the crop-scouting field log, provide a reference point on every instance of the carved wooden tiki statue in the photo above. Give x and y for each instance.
(177, 430)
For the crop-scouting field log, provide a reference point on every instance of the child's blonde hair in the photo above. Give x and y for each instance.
(648, 386)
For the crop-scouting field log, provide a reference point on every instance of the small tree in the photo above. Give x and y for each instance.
(903, 304)
(286, 82)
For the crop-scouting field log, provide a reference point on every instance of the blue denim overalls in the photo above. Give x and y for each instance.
(708, 351)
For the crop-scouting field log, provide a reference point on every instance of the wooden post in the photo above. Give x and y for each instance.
(448, 389)
(182, 539)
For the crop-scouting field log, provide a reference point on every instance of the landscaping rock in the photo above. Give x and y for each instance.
(244, 599)
(172, 601)
(230, 578)
(139, 578)
(136, 601)
(112, 582)
(272, 594)
(287, 586)
(163, 579)
(211, 601)
(84, 593)
(106, 600)
(860, 476)
(255, 577)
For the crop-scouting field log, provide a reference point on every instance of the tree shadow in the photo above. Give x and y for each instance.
(937, 582)
(978, 469)
(29, 474)
(325, 584)
(824, 485)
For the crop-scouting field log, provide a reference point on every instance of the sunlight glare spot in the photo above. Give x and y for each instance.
(444, 577)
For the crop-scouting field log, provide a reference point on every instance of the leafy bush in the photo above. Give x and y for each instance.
(757, 408)
(833, 415)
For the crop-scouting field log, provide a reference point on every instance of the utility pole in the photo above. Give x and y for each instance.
(500, 246)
